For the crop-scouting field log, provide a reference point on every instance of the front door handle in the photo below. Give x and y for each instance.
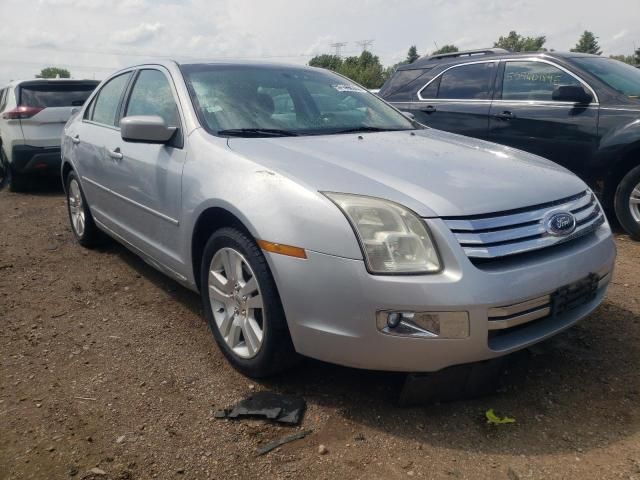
(116, 154)
(76, 139)
(429, 109)
(506, 115)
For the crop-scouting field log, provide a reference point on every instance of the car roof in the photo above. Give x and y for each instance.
(485, 54)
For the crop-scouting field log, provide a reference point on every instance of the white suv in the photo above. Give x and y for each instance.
(32, 116)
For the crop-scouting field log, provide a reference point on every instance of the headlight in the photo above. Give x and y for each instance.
(392, 237)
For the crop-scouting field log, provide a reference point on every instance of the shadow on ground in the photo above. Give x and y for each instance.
(579, 389)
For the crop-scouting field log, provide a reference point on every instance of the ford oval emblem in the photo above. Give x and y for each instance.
(560, 224)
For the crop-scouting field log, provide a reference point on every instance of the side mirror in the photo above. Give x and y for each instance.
(571, 93)
(409, 115)
(146, 129)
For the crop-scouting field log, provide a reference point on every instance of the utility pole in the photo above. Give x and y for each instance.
(338, 46)
(364, 44)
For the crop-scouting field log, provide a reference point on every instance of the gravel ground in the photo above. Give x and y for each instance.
(108, 371)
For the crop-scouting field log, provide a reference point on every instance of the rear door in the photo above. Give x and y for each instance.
(524, 115)
(51, 103)
(92, 146)
(458, 99)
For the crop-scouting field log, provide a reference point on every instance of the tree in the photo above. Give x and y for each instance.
(446, 49)
(54, 72)
(588, 43)
(519, 43)
(636, 56)
(330, 62)
(624, 58)
(365, 69)
(412, 54)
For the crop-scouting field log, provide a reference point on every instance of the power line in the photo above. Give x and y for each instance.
(148, 55)
(364, 44)
(338, 46)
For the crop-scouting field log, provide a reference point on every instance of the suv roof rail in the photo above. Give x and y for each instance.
(481, 51)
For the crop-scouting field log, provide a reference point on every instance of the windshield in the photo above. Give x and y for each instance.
(250, 100)
(620, 76)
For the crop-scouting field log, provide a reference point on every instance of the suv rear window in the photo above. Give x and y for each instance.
(52, 95)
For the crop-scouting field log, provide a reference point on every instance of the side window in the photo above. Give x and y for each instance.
(466, 82)
(152, 95)
(105, 106)
(533, 80)
(431, 90)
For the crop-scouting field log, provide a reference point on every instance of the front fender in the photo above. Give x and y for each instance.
(271, 206)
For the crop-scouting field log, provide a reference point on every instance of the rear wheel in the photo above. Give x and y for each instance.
(242, 305)
(82, 224)
(627, 202)
(15, 182)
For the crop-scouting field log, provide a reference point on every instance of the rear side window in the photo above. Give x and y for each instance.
(105, 106)
(151, 95)
(400, 79)
(465, 82)
(55, 95)
(533, 81)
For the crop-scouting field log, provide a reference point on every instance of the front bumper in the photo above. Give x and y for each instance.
(28, 159)
(331, 302)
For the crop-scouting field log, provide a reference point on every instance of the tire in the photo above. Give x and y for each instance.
(82, 225)
(245, 316)
(627, 203)
(16, 183)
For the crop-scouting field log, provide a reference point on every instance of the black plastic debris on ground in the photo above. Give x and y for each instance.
(272, 406)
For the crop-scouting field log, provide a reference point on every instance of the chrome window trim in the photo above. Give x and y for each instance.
(595, 102)
(445, 71)
(173, 221)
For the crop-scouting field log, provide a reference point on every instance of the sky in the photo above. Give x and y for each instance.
(92, 38)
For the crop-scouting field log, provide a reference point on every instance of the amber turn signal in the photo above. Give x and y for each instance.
(282, 249)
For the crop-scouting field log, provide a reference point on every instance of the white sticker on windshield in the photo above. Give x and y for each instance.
(348, 88)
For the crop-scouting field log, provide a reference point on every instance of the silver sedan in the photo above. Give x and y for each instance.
(315, 219)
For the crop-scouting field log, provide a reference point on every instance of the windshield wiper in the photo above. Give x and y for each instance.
(368, 129)
(257, 132)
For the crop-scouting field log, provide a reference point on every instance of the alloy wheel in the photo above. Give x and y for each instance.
(236, 302)
(634, 203)
(76, 207)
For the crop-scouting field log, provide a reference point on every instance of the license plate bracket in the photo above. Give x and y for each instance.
(571, 296)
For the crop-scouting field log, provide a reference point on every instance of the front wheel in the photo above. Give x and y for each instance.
(242, 305)
(627, 202)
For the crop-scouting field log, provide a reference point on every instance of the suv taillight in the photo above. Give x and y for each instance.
(21, 112)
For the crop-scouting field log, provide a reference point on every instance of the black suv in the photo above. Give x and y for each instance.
(581, 111)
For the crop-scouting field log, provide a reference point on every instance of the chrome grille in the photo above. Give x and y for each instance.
(523, 230)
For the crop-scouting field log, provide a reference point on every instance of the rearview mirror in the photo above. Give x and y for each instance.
(146, 129)
(571, 93)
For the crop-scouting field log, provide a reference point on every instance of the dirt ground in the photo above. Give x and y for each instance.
(107, 365)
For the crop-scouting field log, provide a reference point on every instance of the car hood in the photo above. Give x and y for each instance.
(432, 172)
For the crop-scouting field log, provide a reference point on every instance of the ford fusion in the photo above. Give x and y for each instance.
(316, 220)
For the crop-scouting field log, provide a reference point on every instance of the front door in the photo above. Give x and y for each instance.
(525, 116)
(146, 178)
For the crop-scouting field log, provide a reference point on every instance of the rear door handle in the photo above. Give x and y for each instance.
(429, 109)
(76, 139)
(506, 115)
(116, 154)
